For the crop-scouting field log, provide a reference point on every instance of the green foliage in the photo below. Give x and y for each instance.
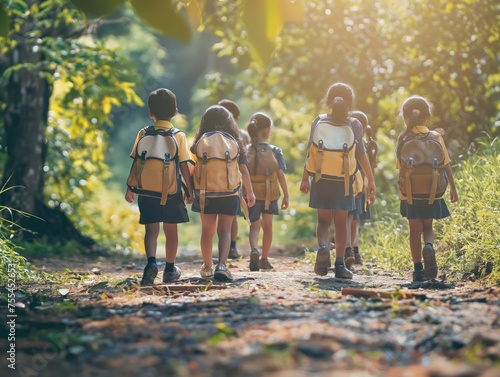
(14, 268)
(470, 240)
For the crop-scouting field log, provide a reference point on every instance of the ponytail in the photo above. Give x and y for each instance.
(339, 98)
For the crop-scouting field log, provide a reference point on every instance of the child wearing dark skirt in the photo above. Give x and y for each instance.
(416, 112)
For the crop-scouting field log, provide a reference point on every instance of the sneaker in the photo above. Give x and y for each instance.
(254, 260)
(418, 275)
(233, 253)
(342, 272)
(323, 261)
(349, 257)
(358, 259)
(222, 273)
(149, 274)
(430, 264)
(265, 265)
(169, 277)
(206, 272)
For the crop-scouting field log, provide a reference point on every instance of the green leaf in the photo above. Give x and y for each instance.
(97, 8)
(4, 22)
(263, 21)
(164, 17)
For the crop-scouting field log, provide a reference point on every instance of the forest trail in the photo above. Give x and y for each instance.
(289, 322)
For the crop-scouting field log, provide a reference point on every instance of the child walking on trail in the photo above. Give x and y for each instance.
(162, 105)
(362, 210)
(328, 175)
(217, 211)
(235, 111)
(424, 172)
(266, 165)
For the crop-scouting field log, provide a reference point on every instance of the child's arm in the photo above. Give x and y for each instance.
(186, 175)
(247, 185)
(371, 190)
(129, 196)
(305, 185)
(451, 181)
(284, 187)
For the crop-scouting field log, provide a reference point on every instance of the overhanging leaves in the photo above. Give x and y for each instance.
(97, 8)
(4, 22)
(164, 16)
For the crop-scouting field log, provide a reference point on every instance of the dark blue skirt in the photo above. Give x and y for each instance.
(420, 209)
(327, 194)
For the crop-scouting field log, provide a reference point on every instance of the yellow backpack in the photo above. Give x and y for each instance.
(263, 168)
(421, 173)
(216, 173)
(332, 154)
(155, 169)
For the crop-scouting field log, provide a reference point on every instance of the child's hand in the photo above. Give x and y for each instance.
(129, 196)
(305, 185)
(250, 199)
(284, 202)
(453, 195)
(188, 198)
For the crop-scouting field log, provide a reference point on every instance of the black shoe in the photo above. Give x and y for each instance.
(169, 277)
(430, 263)
(349, 257)
(418, 275)
(254, 260)
(323, 261)
(342, 272)
(233, 253)
(222, 273)
(358, 259)
(149, 274)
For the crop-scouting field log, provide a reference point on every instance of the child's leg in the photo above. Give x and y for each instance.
(267, 234)
(416, 229)
(253, 236)
(224, 234)
(355, 233)
(428, 231)
(340, 223)
(234, 230)
(208, 226)
(325, 217)
(172, 242)
(151, 238)
(350, 217)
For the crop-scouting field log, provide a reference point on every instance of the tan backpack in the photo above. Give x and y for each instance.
(155, 169)
(263, 168)
(422, 169)
(332, 154)
(216, 173)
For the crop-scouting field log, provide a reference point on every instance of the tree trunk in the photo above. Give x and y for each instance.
(25, 122)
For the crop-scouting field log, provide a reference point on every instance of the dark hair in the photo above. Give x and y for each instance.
(231, 106)
(361, 116)
(218, 118)
(162, 104)
(416, 110)
(258, 122)
(339, 97)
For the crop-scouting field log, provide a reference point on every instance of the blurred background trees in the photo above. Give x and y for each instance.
(75, 75)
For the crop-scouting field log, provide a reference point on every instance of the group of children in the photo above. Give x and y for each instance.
(250, 178)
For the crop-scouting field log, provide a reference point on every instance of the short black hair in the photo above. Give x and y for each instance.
(231, 106)
(162, 104)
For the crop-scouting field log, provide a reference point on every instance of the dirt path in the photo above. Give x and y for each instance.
(288, 322)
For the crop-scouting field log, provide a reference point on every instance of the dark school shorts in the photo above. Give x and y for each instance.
(225, 205)
(173, 212)
(258, 209)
